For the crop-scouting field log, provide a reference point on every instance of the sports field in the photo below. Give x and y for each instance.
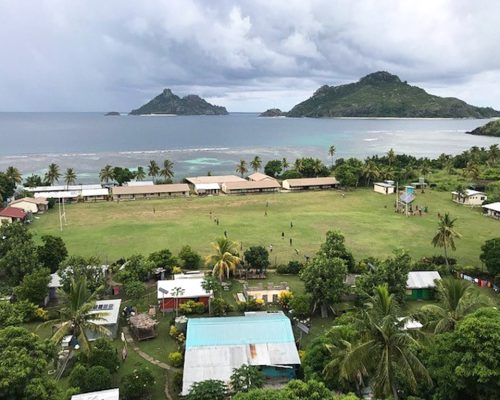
(112, 230)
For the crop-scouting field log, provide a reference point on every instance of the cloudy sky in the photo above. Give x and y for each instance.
(95, 55)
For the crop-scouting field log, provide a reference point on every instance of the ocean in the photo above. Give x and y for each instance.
(201, 144)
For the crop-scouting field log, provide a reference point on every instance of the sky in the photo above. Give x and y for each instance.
(94, 55)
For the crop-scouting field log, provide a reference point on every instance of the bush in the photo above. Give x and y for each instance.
(192, 307)
(177, 380)
(292, 268)
(104, 354)
(78, 377)
(98, 378)
(285, 298)
(138, 384)
(250, 305)
(134, 290)
(175, 358)
(219, 306)
(190, 258)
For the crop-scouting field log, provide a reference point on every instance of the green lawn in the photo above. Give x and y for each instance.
(112, 230)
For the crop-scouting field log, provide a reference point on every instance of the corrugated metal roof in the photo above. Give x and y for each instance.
(95, 192)
(151, 189)
(206, 186)
(259, 176)
(191, 288)
(220, 179)
(264, 184)
(110, 394)
(493, 206)
(312, 181)
(422, 279)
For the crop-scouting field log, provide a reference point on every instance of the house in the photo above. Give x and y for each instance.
(172, 293)
(12, 214)
(421, 285)
(493, 210)
(216, 346)
(386, 187)
(210, 185)
(111, 309)
(94, 194)
(110, 394)
(150, 191)
(264, 186)
(259, 177)
(30, 204)
(269, 293)
(206, 188)
(310, 183)
(469, 197)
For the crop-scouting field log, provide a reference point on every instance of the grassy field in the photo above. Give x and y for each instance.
(112, 230)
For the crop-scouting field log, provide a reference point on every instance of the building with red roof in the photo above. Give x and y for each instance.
(11, 214)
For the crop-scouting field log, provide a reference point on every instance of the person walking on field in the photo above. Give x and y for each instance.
(270, 248)
(291, 241)
(291, 224)
(282, 235)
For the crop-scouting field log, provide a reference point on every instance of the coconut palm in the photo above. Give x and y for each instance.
(457, 298)
(33, 181)
(241, 168)
(471, 170)
(370, 172)
(256, 163)
(391, 156)
(76, 316)
(106, 174)
(331, 152)
(224, 258)
(285, 164)
(425, 169)
(52, 175)
(299, 164)
(386, 351)
(449, 167)
(140, 173)
(168, 169)
(445, 235)
(494, 154)
(14, 175)
(461, 193)
(69, 176)
(153, 169)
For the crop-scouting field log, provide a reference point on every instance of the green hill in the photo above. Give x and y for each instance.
(382, 94)
(492, 128)
(169, 103)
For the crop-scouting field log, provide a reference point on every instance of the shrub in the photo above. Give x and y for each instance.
(104, 354)
(138, 384)
(250, 305)
(284, 299)
(177, 380)
(208, 390)
(78, 377)
(97, 378)
(175, 358)
(192, 307)
(293, 267)
(219, 306)
(134, 289)
(173, 331)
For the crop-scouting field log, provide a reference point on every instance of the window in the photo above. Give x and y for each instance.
(264, 297)
(275, 298)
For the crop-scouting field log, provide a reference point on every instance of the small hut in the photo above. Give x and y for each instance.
(143, 326)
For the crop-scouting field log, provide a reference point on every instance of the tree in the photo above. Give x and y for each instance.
(137, 268)
(7, 187)
(153, 169)
(312, 390)
(472, 170)
(461, 194)
(52, 175)
(34, 286)
(210, 283)
(490, 255)
(106, 174)
(445, 235)
(263, 394)
(300, 306)
(190, 258)
(122, 175)
(273, 168)
(138, 385)
(245, 378)
(168, 169)
(161, 259)
(14, 175)
(210, 389)
(134, 290)
(69, 177)
(90, 379)
(386, 351)
(224, 259)
(241, 168)
(311, 167)
(331, 152)
(140, 174)
(52, 252)
(256, 163)
(370, 172)
(285, 164)
(104, 354)
(391, 156)
(324, 281)
(457, 298)
(33, 181)
(257, 257)
(494, 153)
(77, 267)
(334, 246)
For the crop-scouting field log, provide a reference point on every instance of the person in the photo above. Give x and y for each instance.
(297, 251)
(154, 211)
(217, 221)
(265, 213)
(267, 203)
(291, 241)
(282, 235)
(291, 224)
(343, 195)
(225, 234)
(270, 248)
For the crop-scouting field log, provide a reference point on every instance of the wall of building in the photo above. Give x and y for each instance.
(271, 295)
(26, 206)
(169, 303)
(383, 190)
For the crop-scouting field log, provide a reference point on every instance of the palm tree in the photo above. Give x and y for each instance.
(140, 174)
(391, 156)
(76, 317)
(32, 181)
(168, 169)
(256, 163)
(448, 166)
(106, 174)
(386, 350)
(285, 164)
(69, 176)
(461, 193)
(331, 152)
(471, 170)
(224, 259)
(52, 176)
(14, 175)
(241, 168)
(457, 298)
(494, 153)
(299, 164)
(370, 171)
(153, 169)
(425, 169)
(445, 235)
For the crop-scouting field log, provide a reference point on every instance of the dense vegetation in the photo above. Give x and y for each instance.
(492, 128)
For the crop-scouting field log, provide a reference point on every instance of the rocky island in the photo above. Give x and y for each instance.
(169, 103)
(273, 112)
(492, 128)
(112, 114)
(382, 94)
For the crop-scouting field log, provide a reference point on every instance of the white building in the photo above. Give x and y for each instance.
(111, 311)
(172, 293)
(493, 210)
(110, 394)
(386, 187)
(469, 197)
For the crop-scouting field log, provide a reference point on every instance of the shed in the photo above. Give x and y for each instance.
(493, 210)
(12, 214)
(110, 394)
(384, 187)
(111, 308)
(310, 183)
(172, 293)
(421, 285)
(143, 326)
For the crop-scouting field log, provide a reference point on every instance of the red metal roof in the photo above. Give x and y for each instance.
(12, 212)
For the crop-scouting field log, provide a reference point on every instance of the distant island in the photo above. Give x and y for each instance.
(382, 94)
(112, 114)
(492, 128)
(169, 103)
(273, 112)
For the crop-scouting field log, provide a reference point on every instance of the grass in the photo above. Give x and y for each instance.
(113, 230)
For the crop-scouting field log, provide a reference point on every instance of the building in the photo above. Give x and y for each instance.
(54, 284)
(110, 394)
(150, 191)
(264, 186)
(310, 183)
(95, 194)
(30, 204)
(59, 195)
(216, 346)
(269, 293)
(206, 188)
(139, 183)
(386, 187)
(210, 185)
(62, 188)
(259, 177)
(493, 210)
(12, 214)
(172, 293)
(190, 275)
(111, 309)
(421, 285)
(469, 197)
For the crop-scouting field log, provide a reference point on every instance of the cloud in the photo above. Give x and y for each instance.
(248, 55)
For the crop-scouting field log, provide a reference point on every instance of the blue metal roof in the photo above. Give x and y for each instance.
(250, 329)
